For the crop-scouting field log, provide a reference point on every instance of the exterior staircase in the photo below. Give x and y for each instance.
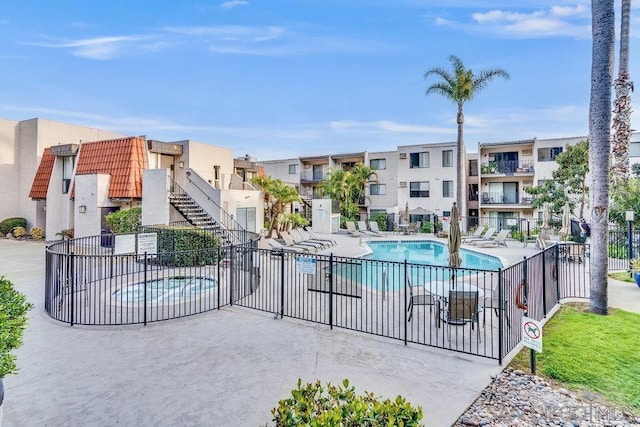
(195, 215)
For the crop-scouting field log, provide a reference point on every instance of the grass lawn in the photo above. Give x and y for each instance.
(623, 276)
(591, 352)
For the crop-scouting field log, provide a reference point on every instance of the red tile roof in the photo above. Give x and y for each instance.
(124, 159)
(40, 183)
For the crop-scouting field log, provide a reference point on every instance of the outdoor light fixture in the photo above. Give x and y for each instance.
(82, 209)
(181, 164)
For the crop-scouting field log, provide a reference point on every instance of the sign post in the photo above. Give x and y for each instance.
(532, 338)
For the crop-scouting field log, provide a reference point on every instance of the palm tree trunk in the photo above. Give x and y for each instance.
(603, 23)
(460, 163)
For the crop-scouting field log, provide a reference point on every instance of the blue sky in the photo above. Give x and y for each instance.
(282, 78)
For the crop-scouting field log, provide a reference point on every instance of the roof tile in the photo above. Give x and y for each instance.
(40, 183)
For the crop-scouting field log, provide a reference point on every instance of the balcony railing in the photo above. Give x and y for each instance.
(507, 167)
(506, 198)
(312, 176)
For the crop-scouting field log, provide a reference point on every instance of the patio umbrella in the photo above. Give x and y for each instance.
(566, 220)
(406, 212)
(455, 240)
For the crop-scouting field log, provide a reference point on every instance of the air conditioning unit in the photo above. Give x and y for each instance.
(527, 152)
(403, 155)
(403, 184)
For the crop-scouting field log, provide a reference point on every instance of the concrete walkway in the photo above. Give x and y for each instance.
(226, 368)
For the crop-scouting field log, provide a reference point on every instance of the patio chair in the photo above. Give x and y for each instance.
(375, 228)
(421, 297)
(492, 302)
(289, 242)
(462, 308)
(299, 240)
(277, 245)
(412, 228)
(499, 239)
(308, 232)
(476, 234)
(485, 237)
(352, 230)
(362, 227)
(307, 238)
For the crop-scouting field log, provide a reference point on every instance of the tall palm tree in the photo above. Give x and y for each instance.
(603, 23)
(461, 85)
(622, 104)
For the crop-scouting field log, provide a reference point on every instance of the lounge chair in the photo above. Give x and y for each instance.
(374, 228)
(300, 240)
(485, 237)
(362, 227)
(310, 236)
(497, 240)
(289, 242)
(352, 230)
(476, 234)
(277, 245)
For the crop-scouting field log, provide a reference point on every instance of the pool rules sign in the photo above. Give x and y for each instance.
(532, 334)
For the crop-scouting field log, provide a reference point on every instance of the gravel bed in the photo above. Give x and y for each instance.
(515, 398)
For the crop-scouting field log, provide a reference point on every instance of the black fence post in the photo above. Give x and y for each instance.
(544, 283)
(231, 275)
(282, 280)
(219, 259)
(72, 282)
(144, 315)
(331, 291)
(630, 243)
(502, 311)
(406, 279)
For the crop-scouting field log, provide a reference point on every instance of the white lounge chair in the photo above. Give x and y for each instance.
(289, 242)
(485, 237)
(352, 230)
(374, 228)
(476, 234)
(300, 240)
(312, 236)
(277, 245)
(362, 227)
(498, 240)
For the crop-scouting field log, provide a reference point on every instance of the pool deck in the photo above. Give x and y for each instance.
(226, 368)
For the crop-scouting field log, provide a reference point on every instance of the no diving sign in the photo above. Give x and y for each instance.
(532, 334)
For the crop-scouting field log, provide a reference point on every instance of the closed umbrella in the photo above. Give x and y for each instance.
(406, 212)
(566, 220)
(455, 239)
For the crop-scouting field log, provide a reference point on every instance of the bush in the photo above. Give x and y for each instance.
(427, 227)
(124, 221)
(37, 233)
(380, 218)
(19, 232)
(311, 404)
(186, 246)
(13, 320)
(66, 233)
(9, 224)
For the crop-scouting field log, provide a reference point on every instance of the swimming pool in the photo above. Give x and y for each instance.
(165, 289)
(430, 252)
(427, 261)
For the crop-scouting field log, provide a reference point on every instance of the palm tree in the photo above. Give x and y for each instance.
(603, 23)
(622, 104)
(277, 196)
(347, 187)
(460, 86)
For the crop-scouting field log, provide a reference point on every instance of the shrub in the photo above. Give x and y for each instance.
(19, 232)
(13, 320)
(380, 218)
(66, 233)
(427, 227)
(9, 224)
(124, 221)
(37, 233)
(186, 246)
(312, 404)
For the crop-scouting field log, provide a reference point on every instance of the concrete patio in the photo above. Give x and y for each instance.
(226, 368)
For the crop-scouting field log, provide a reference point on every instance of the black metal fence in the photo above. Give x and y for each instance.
(471, 311)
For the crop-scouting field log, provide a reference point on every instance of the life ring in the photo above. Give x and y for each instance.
(521, 299)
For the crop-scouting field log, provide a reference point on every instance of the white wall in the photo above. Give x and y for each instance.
(202, 158)
(387, 176)
(235, 199)
(321, 216)
(91, 191)
(155, 196)
(279, 169)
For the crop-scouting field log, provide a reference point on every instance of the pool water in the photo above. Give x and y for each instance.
(430, 252)
(428, 261)
(165, 289)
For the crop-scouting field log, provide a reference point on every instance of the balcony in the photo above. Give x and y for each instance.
(311, 177)
(508, 198)
(508, 167)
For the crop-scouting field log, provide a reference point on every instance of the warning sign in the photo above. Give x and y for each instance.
(305, 265)
(532, 334)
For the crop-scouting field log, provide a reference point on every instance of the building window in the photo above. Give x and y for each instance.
(473, 167)
(419, 189)
(67, 173)
(378, 164)
(293, 169)
(548, 154)
(447, 188)
(419, 160)
(447, 158)
(378, 189)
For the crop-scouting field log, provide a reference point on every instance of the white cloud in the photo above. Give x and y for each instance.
(233, 3)
(103, 47)
(384, 126)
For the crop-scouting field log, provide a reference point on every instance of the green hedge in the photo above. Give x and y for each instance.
(124, 221)
(186, 246)
(313, 405)
(9, 224)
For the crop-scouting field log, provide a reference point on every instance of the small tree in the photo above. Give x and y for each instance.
(277, 196)
(13, 321)
(348, 188)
